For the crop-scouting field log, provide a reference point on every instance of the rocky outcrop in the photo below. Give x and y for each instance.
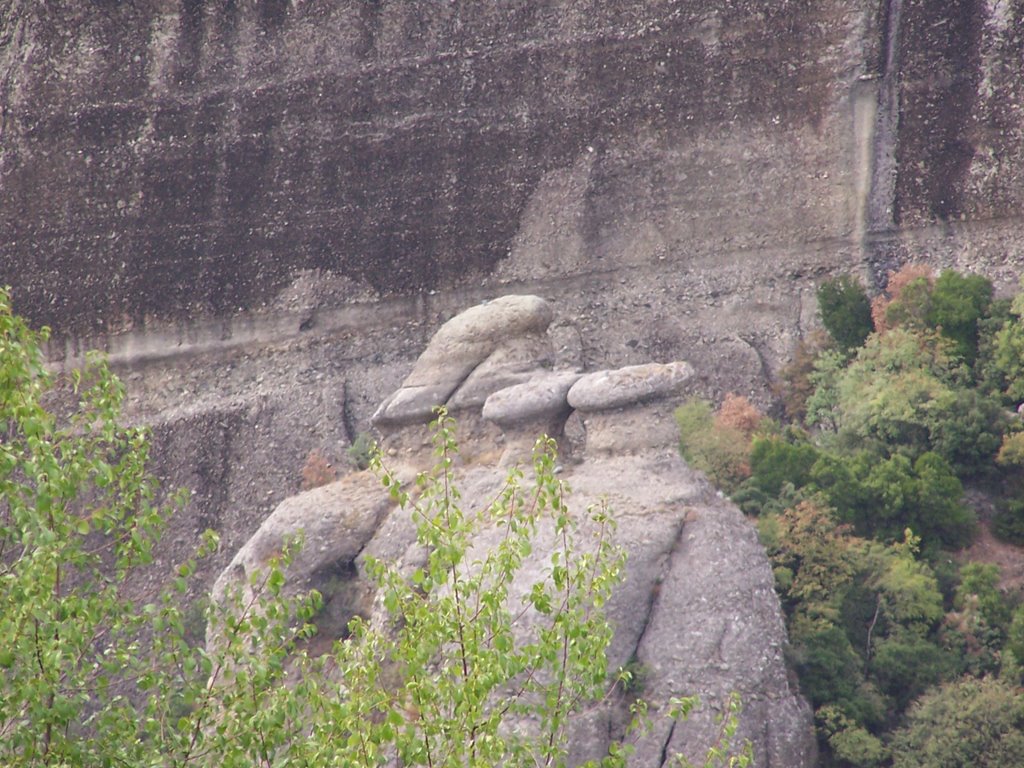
(696, 610)
(253, 206)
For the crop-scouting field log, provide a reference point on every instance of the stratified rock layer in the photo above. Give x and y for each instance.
(181, 163)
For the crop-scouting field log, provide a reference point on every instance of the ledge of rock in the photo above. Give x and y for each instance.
(697, 606)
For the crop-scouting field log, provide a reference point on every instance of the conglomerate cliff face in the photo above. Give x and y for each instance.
(263, 209)
(178, 161)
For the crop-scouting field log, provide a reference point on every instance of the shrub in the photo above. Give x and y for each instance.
(720, 451)
(849, 742)
(958, 304)
(845, 311)
(1015, 633)
(905, 667)
(924, 496)
(360, 453)
(831, 672)
(1004, 358)
(823, 406)
(737, 412)
(906, 298)
(723, 454)
(1008, 523)
(775, 461)
(693, 417)
(1011, 452)
(969, 432)
(906, 392)
(795, 385)
(979, 587)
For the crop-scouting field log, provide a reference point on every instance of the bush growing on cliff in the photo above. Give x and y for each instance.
(1003, 364)
(859, 512)
(863, 620)
(845, 311)
(91, 677)
(717, 442)
(959, 303)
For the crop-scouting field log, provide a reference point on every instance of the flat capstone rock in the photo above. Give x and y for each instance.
(604, 390)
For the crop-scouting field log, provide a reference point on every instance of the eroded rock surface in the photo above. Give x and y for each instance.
(697, 608)
(477, 352)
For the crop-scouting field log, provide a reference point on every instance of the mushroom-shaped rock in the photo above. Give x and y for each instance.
(525, 411)
(510, 328)
(629, 409)
(541, 399)
(603, 390)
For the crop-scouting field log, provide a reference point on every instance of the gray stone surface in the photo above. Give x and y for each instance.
(469, 338)
(480, 350)
(630, 429)
(696, 608)
(178, 166)
(258, 207)
(543, 398)
(336, 522)
(632, 384)
(514, 362)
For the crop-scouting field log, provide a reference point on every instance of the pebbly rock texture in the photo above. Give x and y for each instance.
(697, 610)
(169, 170)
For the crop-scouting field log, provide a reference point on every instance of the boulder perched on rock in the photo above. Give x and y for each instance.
(477, 352)
(630, 408)
(543, 398)
(696, 611)
(632, 385)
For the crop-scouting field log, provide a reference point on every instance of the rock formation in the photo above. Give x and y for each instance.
(697, 608)
(256, 206)
(253, 206)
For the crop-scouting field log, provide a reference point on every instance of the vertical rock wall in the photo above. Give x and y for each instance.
(178, 161)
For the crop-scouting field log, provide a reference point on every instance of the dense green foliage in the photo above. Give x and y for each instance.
(958, 304)
(896, 641)
(905, 391)
(845, 311)
(719, 449)
(969, 723)
(1003, 361)
(461, 668)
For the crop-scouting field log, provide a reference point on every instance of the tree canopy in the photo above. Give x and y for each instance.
(861, 501)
